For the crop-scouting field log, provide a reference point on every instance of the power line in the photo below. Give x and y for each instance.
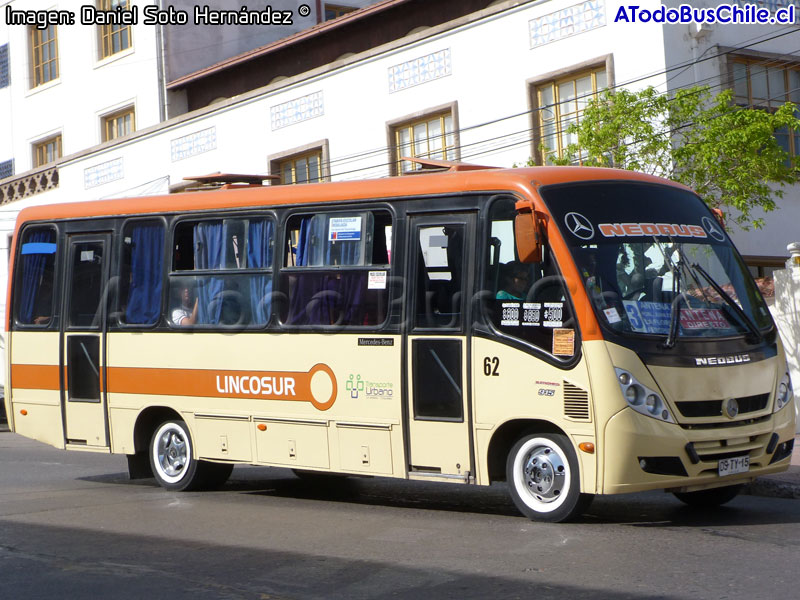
(498, 143)
(787, 31)
(528, 130)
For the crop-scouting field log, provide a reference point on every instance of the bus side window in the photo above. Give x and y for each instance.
(239, 291)
(141, 273)
(35, 282)
(336, 269)
(526, 301)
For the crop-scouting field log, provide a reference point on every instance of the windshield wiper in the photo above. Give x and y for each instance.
(677, 289)
(687, 263)
(730, 302)
(674, 321)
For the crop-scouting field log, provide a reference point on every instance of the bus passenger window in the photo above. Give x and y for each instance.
(525, 301)
(36, 280)
(141, 273)
(337, 269)
(225, 265)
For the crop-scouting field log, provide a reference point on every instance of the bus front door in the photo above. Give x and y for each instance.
(83, 341)
(439, 416)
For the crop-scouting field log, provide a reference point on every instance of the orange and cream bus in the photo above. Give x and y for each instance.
(570, 331)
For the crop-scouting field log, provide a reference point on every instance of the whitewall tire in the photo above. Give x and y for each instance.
(544, 478)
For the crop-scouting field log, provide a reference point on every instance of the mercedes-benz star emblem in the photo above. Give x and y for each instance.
(731, 408)
(713, 229)
(579, 226)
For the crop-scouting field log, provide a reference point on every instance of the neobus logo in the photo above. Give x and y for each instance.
(633, 229)
(711, 361)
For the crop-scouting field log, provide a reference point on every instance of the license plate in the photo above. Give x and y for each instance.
(732, 466)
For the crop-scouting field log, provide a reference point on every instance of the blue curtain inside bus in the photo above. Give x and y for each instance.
(147, 257)
(259, 256)
(209, 253)
(37, 287)
(308, 238)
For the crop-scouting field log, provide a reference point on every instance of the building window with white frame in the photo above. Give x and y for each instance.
(114, 38)
(431, 136)
(47, 151)
(44, 55)
(560, 103)
(119, 124)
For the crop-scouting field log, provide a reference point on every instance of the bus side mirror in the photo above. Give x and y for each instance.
(719, 216)
(528, 237)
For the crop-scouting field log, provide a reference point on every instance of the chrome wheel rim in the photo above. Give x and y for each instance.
(544, 473)
(171, 452)
(541, 475)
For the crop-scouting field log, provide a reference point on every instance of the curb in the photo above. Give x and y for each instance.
(779, 485)
(773, 487)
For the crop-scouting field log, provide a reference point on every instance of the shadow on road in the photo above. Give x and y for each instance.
(651, 509)
(77, 563)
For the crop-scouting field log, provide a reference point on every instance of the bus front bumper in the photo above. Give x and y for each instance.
(642, 453)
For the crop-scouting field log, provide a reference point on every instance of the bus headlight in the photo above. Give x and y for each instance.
(641, 398)
(634, 394)
(784, 393)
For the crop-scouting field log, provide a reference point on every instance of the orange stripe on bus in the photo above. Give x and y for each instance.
(321, 193)
(216, 383)
(35, 377)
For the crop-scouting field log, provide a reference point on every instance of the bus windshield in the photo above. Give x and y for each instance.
(655, 262)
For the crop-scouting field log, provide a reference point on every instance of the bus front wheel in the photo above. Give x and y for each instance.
(544, 480)
(174, 466)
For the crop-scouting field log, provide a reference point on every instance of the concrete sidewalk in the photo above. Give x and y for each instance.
(782, 485)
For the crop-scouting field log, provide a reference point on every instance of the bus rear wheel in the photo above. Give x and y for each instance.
(173, 465)
(710, 498)
(544, 480)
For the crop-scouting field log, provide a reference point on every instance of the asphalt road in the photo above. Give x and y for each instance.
(73, 526)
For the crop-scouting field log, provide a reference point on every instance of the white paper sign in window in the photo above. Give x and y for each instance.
(377, 280)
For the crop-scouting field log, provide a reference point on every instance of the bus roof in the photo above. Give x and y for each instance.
(521, 180)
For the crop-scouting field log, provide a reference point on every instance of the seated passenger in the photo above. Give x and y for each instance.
(185, 314)
(516, 278)
(637, 287)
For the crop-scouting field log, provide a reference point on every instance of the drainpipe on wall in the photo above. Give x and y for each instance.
(697, 32)
(161, 66)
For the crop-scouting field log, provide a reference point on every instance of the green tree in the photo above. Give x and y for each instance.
(728, 154)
